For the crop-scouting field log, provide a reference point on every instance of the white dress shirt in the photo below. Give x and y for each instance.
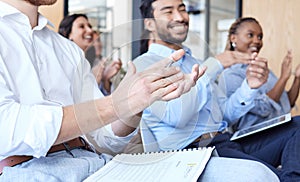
(40, 71)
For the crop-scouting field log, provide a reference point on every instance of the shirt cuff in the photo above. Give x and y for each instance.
(124, 139)
(246, 94)
(104, 140)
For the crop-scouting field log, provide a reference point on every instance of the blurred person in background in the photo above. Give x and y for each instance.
(77, 28)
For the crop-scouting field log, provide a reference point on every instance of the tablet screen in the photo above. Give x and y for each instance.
(261, 126)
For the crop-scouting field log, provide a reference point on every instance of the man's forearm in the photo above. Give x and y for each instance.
(122, 128)
(82, 118)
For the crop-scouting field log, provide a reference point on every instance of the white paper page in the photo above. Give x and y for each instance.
(183, 166)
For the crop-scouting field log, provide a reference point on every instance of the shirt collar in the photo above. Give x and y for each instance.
(165, 51)
(8, 10)
(43, 21)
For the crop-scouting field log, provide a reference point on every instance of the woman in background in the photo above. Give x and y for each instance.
(246, 35)
(77, 28)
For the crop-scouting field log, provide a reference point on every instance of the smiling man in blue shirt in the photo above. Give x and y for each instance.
(199, 117)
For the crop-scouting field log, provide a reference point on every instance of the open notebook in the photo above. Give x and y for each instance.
(180, 165)
(261, 126)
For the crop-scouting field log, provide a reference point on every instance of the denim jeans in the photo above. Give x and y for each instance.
(58, 166)
(273, 147)
(236, 170)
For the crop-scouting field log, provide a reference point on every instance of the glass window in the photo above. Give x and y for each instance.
(209, 22)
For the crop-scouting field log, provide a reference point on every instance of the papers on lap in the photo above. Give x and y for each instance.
(183, 165)
(261, 126)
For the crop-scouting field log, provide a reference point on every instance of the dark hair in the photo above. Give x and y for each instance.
(146, 8)
(65, 26)
(144, 42)
(146, 12)
(233, 29)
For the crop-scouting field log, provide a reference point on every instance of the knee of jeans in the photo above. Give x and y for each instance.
(263, 172)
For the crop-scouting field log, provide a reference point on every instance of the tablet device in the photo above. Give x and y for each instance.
(261, 126)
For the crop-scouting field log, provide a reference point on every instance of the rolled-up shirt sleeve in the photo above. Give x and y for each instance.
(28, 130)
(46, 119)
(104, 140)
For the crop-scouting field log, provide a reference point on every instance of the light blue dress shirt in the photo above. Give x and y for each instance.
(205, 108)
(265, 108)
